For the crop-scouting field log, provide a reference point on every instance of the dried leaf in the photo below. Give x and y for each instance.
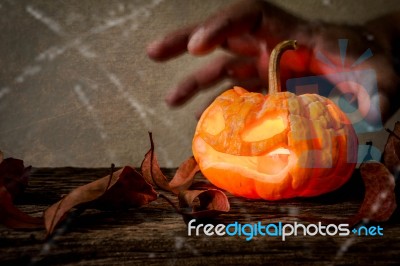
(12, 217)
(125, 188)
(13, 180)
(131, 190)
(151, 169)
(152, 173)
(379, 200)
(184, 176)
(391, 154)
(14, 176)
(212, 202)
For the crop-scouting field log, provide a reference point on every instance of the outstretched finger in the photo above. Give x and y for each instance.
(239, 18)
(219, 69)
(171, 45)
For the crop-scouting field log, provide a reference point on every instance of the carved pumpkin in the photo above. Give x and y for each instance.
(275, 146)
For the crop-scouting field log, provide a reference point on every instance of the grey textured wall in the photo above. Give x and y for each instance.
(77, 89)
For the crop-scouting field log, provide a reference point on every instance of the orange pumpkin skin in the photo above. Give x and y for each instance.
(275, 146)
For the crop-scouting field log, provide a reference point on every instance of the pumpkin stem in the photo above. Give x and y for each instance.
(274, 79)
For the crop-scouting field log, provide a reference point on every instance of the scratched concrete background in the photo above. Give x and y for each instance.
(76, 87)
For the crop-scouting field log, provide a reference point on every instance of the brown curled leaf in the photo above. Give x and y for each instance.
(211, 203)
(13, 180)
(14, 176)
(184, 176)
(151, 169)
(14, 218)
(125, 188)
(379, 199)
(152, 173)
(131, 190)
(391, 154)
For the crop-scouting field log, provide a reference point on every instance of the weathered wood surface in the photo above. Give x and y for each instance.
(156, 235)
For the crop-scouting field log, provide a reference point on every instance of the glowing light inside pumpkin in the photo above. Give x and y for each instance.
(266, 129)
(279, 151)
(270, 167)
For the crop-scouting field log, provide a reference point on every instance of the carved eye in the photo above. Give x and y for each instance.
(215, 121)
(264, 129)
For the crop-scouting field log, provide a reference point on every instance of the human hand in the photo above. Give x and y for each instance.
(249, 30)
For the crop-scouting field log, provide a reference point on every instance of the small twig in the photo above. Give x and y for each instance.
(152, 159)
(111, 176)
(51, 229)
(392, 132)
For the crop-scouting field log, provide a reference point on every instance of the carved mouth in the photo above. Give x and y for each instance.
(271, 167)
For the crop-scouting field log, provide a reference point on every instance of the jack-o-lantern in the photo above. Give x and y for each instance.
(275, 146)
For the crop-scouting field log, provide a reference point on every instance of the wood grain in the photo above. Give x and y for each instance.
(156, 235)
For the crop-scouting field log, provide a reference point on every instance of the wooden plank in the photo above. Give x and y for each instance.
(156, 235)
